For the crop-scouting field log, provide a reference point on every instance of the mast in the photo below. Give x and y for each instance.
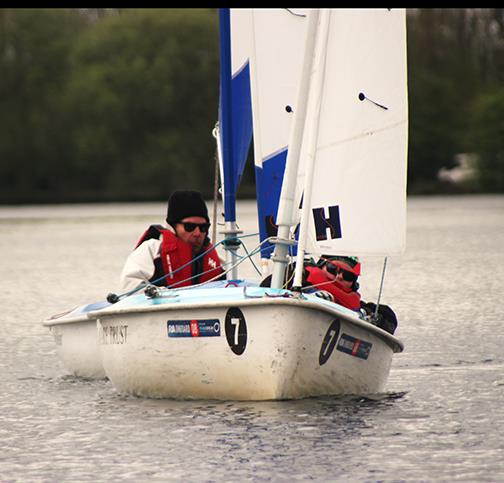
(318, 81)
(285, 218)
(227, 139)
(230, 150)
(276, 60)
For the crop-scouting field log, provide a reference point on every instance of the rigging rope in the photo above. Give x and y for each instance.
(113, 298)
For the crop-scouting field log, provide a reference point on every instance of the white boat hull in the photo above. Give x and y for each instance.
(246, 348)
(75, 336)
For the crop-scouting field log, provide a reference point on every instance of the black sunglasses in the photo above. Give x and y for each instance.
(334, 270)
(190, 227)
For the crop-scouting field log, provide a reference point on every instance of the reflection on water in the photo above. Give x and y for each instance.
(442, 418)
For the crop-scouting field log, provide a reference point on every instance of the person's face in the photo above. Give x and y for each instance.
(197, 236)
(335, 273)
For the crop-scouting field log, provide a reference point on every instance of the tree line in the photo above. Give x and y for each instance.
(119, 104)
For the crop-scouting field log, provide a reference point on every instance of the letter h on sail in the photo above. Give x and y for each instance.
(322, 223)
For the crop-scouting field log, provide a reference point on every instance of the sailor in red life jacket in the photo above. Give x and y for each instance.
(335, 278)
(163, 254)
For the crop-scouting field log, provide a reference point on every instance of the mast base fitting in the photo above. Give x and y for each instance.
(231, 242)
(284, 241)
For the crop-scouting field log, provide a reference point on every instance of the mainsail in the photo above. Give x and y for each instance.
(351, 136)
(351, 174)
(260, 68)
(357, 204)
(277, 42)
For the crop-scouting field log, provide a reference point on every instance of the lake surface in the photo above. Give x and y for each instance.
(441, 419)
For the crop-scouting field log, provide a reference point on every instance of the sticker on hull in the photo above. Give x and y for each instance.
(355, 347)
(236, 330)
(329, 342)
(194, 328)
(113, 334)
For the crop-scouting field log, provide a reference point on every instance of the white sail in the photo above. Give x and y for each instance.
(358, 192)
(278, 38)
(241, 35)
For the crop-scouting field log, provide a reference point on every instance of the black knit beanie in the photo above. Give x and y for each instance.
(184, 204)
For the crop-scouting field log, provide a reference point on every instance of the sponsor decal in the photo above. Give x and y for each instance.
(354, 347)
(329, 341)
(113, 334)
(236, 330)
(194, 328)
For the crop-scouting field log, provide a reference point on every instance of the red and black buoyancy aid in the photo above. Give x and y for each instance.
(174, 254)
(316, 276)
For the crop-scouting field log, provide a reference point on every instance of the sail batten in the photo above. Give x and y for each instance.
(360, 135)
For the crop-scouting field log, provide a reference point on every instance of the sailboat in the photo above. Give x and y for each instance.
(339, 147)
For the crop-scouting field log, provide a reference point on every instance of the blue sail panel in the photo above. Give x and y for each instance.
(235, 117)
(242, 121)
(269, 179)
